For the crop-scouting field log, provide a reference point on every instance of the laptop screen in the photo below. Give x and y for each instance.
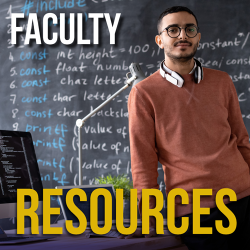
(18, 166)
(84, 206)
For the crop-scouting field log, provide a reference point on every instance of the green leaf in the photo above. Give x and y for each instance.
(119, 182)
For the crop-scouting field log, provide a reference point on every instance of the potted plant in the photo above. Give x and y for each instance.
(119, 182)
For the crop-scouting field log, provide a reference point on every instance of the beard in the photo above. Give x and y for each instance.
(180, 58)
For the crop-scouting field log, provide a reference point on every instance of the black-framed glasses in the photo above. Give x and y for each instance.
(174, 31)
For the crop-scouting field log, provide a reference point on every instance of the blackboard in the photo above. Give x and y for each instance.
(74, 79)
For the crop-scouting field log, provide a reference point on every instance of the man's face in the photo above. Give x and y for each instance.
(181, 48)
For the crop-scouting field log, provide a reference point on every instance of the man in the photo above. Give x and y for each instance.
(190, 121)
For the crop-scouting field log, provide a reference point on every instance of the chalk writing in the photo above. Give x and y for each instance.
(45, 89)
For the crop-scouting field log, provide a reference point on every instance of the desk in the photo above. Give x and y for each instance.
(80, 242)
(66, 242)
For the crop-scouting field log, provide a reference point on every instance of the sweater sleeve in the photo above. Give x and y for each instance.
(144, 158)
(237, 125)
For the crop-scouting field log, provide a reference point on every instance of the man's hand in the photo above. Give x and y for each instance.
(138, 233)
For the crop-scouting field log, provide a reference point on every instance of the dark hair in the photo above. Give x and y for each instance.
(171, 10)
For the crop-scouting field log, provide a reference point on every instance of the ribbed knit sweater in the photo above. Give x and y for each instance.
(196, 132)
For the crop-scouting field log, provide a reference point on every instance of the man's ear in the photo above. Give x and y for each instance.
(199, 36)
(158, 41)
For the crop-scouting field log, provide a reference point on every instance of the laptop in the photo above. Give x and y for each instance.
(9, 239)
(18, 169)
(85, 208)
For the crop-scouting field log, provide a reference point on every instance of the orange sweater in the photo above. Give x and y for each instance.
(196, 132)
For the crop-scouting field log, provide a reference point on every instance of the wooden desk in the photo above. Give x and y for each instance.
(67, 241)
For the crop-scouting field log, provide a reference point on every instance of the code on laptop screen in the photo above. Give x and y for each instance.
(18, 166)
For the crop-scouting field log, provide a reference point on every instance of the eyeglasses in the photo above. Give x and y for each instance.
(174, 31)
